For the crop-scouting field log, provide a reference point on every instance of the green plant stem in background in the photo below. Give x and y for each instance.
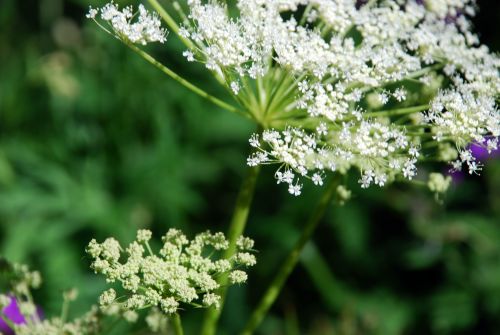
(185, 83)
(236, 228)
(64, 310)
(6, 319)
(177, 324)
(288, 265)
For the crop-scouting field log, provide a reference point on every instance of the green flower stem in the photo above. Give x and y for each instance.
(177, 324)
(288, 265)
(64, 310)
(280, 94)
(184, 82)
(236, 228)
(6, 320)
(412, 75)
(34, 317)
(175, 28)
(399, 111)
(304, 122)
(170, 22)
(433, 144)
(274, 88)
(305, 14)
(425, 70)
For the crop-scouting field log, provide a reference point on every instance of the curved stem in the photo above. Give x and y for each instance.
(236, 228)
(170, 22)
(177, 324)
(184, 82)
(6, 319)
(288, 265)
(399, 111)
(175, 28)
(411, 75)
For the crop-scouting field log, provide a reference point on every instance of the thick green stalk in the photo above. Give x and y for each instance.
(288, 265)
(177, 324)
(236, 228)
(186, 83)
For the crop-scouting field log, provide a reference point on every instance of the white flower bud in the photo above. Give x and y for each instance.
(238, 277)
(438, 183)
(143, 235)
(107, 297)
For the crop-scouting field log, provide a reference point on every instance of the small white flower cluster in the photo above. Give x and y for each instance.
(147, 27)
(22, 280)
(86, 325)
(183, 271)
(450, 8)
(375, 148)
(340, 52)
(451, 117)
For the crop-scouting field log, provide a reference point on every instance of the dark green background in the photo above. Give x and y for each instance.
(94, 142)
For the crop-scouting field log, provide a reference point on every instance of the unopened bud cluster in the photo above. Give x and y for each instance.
(182, 272)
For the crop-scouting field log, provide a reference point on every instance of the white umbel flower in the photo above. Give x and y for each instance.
(146, 27)
(344, 84)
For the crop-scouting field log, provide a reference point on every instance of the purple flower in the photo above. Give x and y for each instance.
(481, 153)
(13, 313)
(457, 177)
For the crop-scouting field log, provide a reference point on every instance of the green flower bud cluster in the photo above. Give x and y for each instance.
(182, 271)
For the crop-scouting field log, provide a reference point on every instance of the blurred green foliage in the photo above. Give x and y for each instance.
(95, 142)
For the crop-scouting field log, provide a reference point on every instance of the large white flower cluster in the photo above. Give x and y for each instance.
(183, 271)
(375, 84)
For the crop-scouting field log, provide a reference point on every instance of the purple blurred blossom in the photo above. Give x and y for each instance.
(457, 177)
(480, 152)
(14, 314)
